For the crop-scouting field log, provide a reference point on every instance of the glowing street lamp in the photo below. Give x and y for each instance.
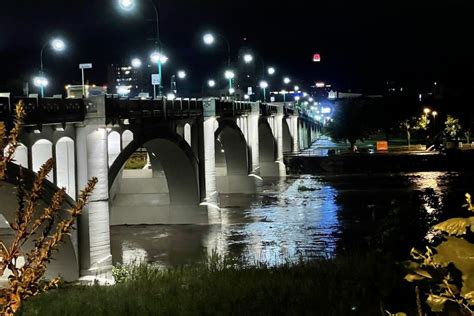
(264, 86)
(229, 75)
(57, 45)
(231, 90)
(271, 71)
(248, 58)
(136, 63)
(286, 80)
(129, 5)
(158, 58)
(209, 39)
(211, 83)
(297, 88)
(181, 74)
(426, 111)
(434, 113)
(246, 97)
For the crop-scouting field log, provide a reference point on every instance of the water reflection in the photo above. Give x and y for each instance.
(282, 222)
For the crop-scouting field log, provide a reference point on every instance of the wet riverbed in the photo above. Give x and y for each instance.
(306, 217)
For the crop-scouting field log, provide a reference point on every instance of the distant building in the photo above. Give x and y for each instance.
(76, 91)
(125, 80)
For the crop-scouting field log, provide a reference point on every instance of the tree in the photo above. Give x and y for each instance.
(452, 127)
(48, 226)
(414, 124)
(349, 122)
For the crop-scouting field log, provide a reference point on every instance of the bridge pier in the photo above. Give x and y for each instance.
(94, 224)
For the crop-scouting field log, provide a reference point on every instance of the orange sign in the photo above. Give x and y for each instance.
(382, 146)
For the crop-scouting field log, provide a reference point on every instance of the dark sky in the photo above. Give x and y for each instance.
(363, 43)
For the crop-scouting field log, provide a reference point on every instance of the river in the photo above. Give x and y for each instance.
(304, 218)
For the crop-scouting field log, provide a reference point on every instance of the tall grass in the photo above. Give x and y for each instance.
(342, 286)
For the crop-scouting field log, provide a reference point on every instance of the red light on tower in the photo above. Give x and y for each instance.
(316, 58)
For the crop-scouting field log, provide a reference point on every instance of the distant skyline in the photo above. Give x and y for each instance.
(362, 43)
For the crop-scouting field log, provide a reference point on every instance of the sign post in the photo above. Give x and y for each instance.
(82, 67)
(155, 81)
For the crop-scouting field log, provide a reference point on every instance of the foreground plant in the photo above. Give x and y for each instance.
(49, 227)
(447, 271)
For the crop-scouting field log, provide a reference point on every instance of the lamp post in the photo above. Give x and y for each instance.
(209, 39)
(129, 5)
(264, 86)
(230, 75)
(434, 113)
(181, 75)
(57, 45)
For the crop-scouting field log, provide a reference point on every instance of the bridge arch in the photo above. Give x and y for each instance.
(20, 157)
(66, 165)
(231, 149)
(41, 151)
(267, 149)
(169, 155)
(66, 262)
(114, 146)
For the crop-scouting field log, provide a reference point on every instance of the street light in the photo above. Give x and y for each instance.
(246, 97)
(286, 80)
(264, 86)
(229, 75)
(248, 58)
(209, 39)
(284, 92)
(57, 45)
(426, 111)
(271, 71)
(211, 83)
(129, 5)
(434, 113)
(158, 58)
(136, 63)
(297, 88)
(181, 74)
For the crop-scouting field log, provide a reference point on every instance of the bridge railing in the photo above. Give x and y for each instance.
(267, 109)
(44, 110)
(232, 108)
(117, 108)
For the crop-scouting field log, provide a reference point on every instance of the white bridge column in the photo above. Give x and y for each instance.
(94, 224)
(278, 123)
(209, 150)
(294, 130)
(252, 141)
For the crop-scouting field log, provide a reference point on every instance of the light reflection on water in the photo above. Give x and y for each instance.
(282, 223)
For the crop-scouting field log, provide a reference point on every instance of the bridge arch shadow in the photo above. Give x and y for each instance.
(232, 159)
(164, 190)
(287, 138)
(267, 150)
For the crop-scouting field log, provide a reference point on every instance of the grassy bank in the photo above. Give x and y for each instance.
(343, 286)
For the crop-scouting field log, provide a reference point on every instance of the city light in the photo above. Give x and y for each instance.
(248, 58)
(58, 45)
(157, 57)
(208, 39)
(136, 63)
(305, 94)
(126, 4)
(426, 110)
(286, 80)
(181, 74)
(271, 71)
(229, 74)
(311, 99)
(40, 82)
(263, 84)
(231, 90)
(246, 97)
(320, 84)
(434, 113)
(123, 90)
(297, 88)
(171, 96)
(211, 83)
(297, 98)
(326, 110)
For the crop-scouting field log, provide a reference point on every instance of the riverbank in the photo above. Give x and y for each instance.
(380, 162)
(357, 285)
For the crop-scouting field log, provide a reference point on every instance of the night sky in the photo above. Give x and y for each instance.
(363, 44)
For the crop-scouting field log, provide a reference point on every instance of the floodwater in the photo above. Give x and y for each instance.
(305, 217)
